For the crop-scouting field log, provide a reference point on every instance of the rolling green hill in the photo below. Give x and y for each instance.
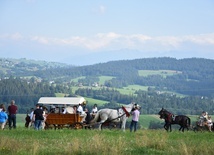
(184, 86)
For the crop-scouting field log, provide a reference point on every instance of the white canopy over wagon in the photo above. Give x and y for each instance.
(61, 100)
(62, 111)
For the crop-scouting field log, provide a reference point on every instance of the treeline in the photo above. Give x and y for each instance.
(27, 93)
(152, 102)
(196, 78)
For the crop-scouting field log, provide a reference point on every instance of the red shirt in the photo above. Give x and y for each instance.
(12, 109)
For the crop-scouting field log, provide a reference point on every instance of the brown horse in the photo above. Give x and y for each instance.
(170, 119)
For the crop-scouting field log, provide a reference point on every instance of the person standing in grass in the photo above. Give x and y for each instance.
(3, 116)
(135, 118)
(12, 110)
(38, 117)
(31, 118)
(210, 123)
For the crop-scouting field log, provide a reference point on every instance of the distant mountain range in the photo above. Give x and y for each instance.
(125, 54)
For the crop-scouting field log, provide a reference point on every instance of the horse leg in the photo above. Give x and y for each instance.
(170, 126)
(123, 126)
(100, 124)
(165, 127)
(181, 128)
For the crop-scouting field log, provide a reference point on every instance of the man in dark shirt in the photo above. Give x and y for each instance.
(12, 110)
(38, 117)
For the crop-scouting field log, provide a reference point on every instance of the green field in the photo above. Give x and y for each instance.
(163, 73)
(130, 90)
(76, 79)
(144, 119)
(91, 101)
(23, 141)
(104, 78)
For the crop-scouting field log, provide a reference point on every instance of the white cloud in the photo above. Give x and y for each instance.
(111, 40)
(102, 9)
(15, 36)
(99, 10)
(41, 40)
(203, 39)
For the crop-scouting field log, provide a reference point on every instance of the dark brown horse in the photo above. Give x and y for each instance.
(170, 119)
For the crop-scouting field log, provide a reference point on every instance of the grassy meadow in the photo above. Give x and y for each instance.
(107, 142)
(24, 141)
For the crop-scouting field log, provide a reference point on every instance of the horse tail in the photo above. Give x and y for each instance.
(96, 117)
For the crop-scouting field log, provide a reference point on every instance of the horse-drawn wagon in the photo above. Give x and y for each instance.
(55, 116)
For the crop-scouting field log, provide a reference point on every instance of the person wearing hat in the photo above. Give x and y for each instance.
(135, 118)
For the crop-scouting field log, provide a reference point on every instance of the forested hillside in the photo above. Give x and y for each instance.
(21, 67)
(192, 78)
(26, 93)
(196, 78)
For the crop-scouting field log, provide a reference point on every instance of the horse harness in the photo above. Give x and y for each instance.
(119, 116)
(170, 117)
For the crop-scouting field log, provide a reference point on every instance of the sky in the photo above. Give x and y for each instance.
(86, 32)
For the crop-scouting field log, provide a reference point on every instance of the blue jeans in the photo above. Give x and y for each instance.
(38, 124)
(12, 120)
(133, 124)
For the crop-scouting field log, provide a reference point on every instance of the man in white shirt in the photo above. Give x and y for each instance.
(81, 112)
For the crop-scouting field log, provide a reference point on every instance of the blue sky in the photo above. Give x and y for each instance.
(86, 32)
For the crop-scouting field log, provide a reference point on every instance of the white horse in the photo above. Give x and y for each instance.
(114, 116)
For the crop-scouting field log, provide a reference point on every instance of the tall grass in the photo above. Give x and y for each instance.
(107, 142)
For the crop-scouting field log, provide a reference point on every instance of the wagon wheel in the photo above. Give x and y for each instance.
(77, 125)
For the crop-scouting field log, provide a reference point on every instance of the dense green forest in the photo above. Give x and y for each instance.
(26, 93)
(26, 82)
(196, 78)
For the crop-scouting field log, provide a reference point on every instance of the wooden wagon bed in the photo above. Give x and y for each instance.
(58, 120)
